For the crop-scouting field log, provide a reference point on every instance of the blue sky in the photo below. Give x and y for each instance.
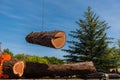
(19, 17)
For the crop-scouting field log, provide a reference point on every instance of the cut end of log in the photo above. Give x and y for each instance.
(13, 68)
(59, 40)
(18, 68)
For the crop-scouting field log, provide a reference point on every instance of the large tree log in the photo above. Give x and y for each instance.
(13, 68)
(40, 70)
(33, 70)
(54, 39)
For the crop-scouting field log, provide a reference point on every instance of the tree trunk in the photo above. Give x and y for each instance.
(33, 70)
(54, 39)
(13, 68)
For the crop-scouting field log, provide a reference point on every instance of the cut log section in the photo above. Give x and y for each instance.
(13, 68)
(33, 70)
(53, 39)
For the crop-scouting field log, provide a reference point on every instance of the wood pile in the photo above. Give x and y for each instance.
(37, 70)
(16, 69)
(53, 39)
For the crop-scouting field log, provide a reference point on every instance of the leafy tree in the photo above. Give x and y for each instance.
(45, 59)
(7, 51)
(29, 58)
(91, 40)
(36, 59)
(110, 60)
(53, 60)
(118, 54)
(21, 56)
(114, 56)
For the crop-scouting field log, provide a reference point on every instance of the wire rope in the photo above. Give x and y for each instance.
(42, 15)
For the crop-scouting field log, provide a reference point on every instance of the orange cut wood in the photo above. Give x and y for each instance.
(13, 68)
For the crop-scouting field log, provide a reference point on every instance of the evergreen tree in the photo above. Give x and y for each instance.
(91, 40)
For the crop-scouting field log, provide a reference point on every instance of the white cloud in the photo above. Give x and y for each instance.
(11, 15)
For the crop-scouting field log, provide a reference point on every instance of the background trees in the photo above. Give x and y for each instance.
(91, 42)
(53, 60)
(38, 59)
(34, 58)
(29, 58)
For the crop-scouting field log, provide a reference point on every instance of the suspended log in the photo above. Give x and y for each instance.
(13, 68)
(53, 39)
(33, 70)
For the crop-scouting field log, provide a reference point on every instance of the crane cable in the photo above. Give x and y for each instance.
(42, 15)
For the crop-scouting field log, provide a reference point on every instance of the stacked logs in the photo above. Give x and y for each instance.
(53, 39)
(16, 69)
(37, 70)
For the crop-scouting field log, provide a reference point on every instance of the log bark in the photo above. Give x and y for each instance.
(53, 39)
(33, 70)
(13, 68)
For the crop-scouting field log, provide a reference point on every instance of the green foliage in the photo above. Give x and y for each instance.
(45, 60)
(29, 58)
(91, 42)
(117, 56)
(53, 60)
(20, 56)
(36, 59)
(108, 60)
(7, 51)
